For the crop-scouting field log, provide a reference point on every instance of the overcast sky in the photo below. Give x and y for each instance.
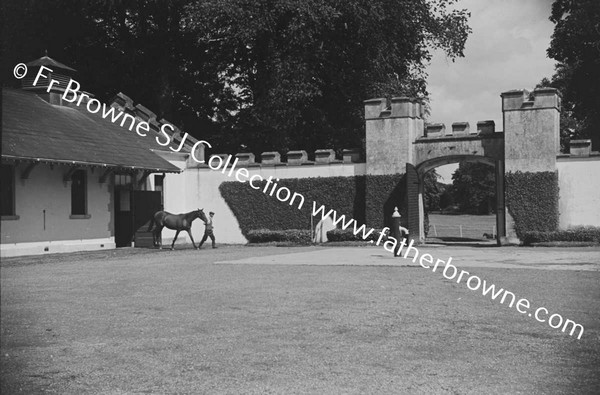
(506, 50)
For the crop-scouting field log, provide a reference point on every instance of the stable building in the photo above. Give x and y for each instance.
(71, 180)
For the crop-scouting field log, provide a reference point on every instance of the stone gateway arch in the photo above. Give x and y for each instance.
(399, 142)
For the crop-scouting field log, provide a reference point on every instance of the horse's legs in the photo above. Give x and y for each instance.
(190, 233)
(154, 241)
(173, 244)
(157, 234)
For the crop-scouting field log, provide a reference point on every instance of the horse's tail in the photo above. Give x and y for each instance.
(151, 224)
(153, 221)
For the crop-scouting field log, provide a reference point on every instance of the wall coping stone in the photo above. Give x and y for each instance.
(433, 130)
(297, 157)
(324, 155)
(245, 157)
(580, 147)
(270, 158)
(351, 155)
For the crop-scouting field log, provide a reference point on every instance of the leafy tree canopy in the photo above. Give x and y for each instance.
(432, 190)
(575, 46)
(264, 74)
(474, 187)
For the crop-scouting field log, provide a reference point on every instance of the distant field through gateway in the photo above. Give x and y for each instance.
(461, 226)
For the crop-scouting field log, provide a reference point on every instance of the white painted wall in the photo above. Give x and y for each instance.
(199, 188)
(579, 199)
(43, 207)
(579, 195)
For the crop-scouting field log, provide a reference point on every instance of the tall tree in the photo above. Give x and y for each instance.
(570, 127)
(432, 190)
(141, 48)
(575, 46)
(302, 68)
(262, 74)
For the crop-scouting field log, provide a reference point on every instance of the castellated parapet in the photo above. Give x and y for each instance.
(396, 135)
(294, 158)
(435, 131)
(125, 104)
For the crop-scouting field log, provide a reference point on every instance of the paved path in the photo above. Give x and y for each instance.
(544, 258)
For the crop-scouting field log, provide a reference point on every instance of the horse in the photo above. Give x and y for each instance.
(177, 222)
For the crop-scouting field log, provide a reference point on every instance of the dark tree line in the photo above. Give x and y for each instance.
(473, 190)
(261, 74)
(575, 46)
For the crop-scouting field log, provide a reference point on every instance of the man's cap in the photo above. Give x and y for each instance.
(211, 213)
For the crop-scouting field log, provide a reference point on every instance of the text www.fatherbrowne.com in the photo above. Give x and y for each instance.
(474, 283)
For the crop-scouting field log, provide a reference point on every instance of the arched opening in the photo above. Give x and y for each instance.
(468, 227)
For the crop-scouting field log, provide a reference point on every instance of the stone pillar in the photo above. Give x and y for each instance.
(531, 141)
(500, 204)
(531, 129)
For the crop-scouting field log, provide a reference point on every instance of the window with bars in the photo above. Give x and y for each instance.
(123, 180)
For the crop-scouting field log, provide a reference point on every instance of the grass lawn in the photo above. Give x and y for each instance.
(165, 322)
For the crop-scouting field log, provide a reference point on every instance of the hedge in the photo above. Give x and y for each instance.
(348, 235)
(383, 193)
(532, 201)
(346, 195)
(579, 234)
(298, 236)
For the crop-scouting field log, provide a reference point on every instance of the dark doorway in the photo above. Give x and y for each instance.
(145, 205)
(133, 209)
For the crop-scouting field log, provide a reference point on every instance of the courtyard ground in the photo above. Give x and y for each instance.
(296, 320)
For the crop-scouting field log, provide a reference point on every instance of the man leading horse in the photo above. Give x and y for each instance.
(177, 222)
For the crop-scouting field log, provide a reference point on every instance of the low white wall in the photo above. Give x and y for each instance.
(56, 246)
(199, 188)
(579, 195)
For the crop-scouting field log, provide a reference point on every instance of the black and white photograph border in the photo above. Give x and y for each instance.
(400, 197)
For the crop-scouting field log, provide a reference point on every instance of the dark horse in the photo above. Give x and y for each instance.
(176, 222)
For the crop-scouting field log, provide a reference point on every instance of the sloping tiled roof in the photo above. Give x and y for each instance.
(33, 129)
